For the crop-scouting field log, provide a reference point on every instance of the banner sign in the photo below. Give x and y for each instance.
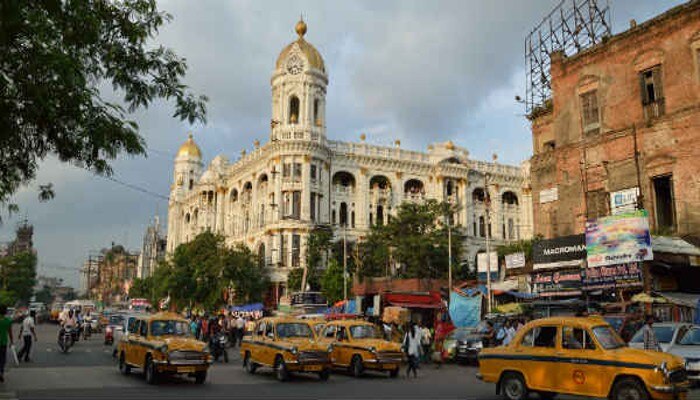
(613, 277)
(565, 251)
(558, 283)
(465, 311)
(515, 260)
(482, 263)
(624, 201)
(549, 195)
(618, 239)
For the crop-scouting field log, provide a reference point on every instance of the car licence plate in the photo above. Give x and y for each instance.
(313, 368)
(185, 370)
(390, 366)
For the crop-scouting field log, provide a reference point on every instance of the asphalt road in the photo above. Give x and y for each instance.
(89, 372)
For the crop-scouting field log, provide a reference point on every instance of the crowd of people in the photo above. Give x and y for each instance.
(233, 324)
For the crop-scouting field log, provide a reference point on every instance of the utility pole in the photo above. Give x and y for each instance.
(487, 228)
(449, 258)
(345, 264)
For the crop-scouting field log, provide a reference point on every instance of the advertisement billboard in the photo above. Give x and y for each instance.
(624, 201)
(565, 251)
(613, 277)
(557, 283)
(618, 239)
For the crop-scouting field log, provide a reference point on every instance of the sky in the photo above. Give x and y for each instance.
(417, 71)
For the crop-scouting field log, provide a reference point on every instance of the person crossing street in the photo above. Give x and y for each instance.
(6, 339)
(28, 332)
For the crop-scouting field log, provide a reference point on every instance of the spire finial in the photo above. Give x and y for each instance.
(300, 27)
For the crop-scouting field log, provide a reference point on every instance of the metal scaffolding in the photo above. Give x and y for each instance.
(573, 26)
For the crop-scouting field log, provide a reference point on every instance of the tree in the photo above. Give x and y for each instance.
(44, 295)
(416, 238)
(318, 245)
(56, 59)
(241, 269)
(332, 282)
(294, 278)
(17, 277)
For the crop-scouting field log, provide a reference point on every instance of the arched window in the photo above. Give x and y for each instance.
(352, 219)
(380, 215)
(511, 229)
(344, 214)
(370, 219)
(317, 116)
(478, 195)
(293, 110)
(187, 218)
(449, 188)
(509, 198)
(482, 227)
(333, 217)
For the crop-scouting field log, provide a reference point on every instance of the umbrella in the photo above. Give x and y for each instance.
(645, 298)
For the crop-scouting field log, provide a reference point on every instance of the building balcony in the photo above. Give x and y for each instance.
(414, 197)
(380, 194)
(344, 190)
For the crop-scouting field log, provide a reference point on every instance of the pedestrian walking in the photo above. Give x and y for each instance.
(412, 346)
(426, 341)
(5, 339)
(240, 329)
(28, 332)
(510, 332)
(650, 341)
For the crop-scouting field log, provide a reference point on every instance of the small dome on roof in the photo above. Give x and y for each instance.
(312, 55)
(189, 149)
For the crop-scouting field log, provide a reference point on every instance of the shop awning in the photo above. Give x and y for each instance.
(248, 307)
(681, 299)
(414, 300)
(673, 245)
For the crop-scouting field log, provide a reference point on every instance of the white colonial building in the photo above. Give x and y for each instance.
(271, 198)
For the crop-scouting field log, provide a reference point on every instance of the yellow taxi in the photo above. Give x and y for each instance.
(359, 346)
(580, 356)
(287, 345)
(162, 344)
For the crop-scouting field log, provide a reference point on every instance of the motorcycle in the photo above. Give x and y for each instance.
(87, 330)
(218, 346)
(66, 339)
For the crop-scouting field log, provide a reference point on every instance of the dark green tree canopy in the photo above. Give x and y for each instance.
(56, 57)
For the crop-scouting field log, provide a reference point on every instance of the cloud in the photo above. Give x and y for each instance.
(413, 70)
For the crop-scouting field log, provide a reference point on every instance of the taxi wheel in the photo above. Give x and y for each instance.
(248, 364)
(356, 367)
(200, 377)
(150, 372)
(325, 374)
(513, 387)
(123, 367)
(629, 389)
(281, 369)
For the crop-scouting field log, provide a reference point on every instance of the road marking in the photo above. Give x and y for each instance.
(49, 350)
(88, 350)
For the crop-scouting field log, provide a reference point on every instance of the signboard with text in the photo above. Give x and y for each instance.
(613, 277)
(624, 201)
(515, 260)
(618, 239)
(557, 283)
(564, 251)
(482, 266)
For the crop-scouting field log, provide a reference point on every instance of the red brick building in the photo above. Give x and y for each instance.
(636, 91)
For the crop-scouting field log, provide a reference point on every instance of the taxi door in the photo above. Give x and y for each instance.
(141, 344)
(579, 373)
(342, 346)
(269, 350)
(327, 338)
(537, 357)
(132, 343)
(256, 337)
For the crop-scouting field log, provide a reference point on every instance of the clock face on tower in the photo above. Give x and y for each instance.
(295, 64)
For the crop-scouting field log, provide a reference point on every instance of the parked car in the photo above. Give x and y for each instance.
(358, 346)
(580, 356)
(287, 345)
(463, 345)
(667, 334)
(114, 324)
(162, 344)
(688, 347)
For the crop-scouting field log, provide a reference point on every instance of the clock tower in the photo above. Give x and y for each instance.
(299, 92)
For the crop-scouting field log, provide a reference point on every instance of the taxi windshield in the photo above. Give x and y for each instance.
(365, 332)
(692, 338)
(170, 328)
(607, 337)
(291, 330)
(116, 319)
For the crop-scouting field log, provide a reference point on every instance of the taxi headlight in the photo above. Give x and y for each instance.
(372, 349)
(163, 349)
(294, 351)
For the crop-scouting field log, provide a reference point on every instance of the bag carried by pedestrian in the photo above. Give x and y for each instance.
(13, 351)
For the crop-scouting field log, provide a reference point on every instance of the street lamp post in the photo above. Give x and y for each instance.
(487, 228)
(345, 265)
(449, 259)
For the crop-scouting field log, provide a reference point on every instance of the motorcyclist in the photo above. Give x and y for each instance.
(67, 322)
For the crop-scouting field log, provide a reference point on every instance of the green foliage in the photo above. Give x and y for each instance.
(416, 238)
(294, 278)
(524, 246)
(18, 277)
(332, 282)
(200, 272)
(44, 295)
(319, 243)
(57, 58)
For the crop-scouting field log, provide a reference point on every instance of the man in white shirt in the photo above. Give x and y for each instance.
(27, 331)
(240, 330)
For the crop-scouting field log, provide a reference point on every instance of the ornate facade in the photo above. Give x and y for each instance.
(271, 198)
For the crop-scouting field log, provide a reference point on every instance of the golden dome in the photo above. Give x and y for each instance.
(189, 149)
(450, 145)
(313, 57)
